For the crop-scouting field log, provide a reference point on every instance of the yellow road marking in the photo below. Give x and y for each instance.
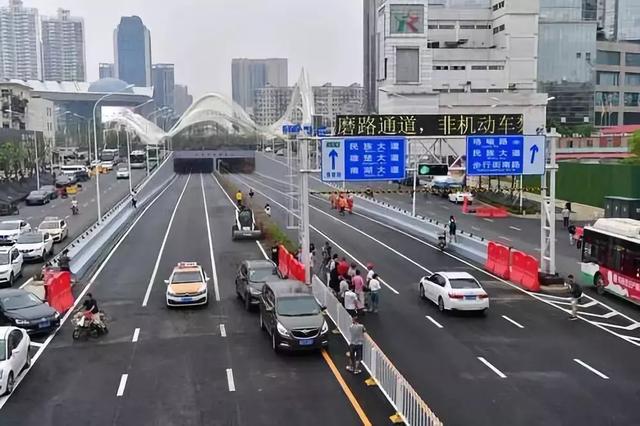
(345, 388)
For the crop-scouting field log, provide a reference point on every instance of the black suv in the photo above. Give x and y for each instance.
(251, 276)
(292, 316)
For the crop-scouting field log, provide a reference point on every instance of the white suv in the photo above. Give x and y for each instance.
(12, 229)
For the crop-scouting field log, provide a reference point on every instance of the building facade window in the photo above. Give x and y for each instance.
(498, 29)
(498, 5)
(496, 67)
(632, 59)
(606, 57)
(632, 79)
(478, 67)
(608, 78)
(407, 65)
(632, 99)
(607, 98)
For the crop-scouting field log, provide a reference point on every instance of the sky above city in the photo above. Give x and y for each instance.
(202, 36)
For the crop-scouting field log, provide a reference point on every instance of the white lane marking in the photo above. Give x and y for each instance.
(164, 242)
(487, 219)
(85, 204)
(223, 331)
(66, 217)
(30, 217)
(494, 369)
(93, 200)
(27, 282)
(213, 260)
(322, 233)
(515, 228)
(123, 384)
(35, 344)
(4, 399)
(232, 385)
(475, 228)
(436, 323)
(517, 324)
(590, 368)
(504, 238)
(264, 253)
(136, 334)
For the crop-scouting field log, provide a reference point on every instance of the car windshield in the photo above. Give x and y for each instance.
(4, 258)
(123, 169)
(187, 277)
(464, 283)
(3, 349)
(298, 306)
(261, 274)
(30, 238)
(9, 226)
(36, 194)
(20, 301)
(49, 225)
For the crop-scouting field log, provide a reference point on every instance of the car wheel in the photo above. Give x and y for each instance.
(262, 322)
(440, 304)
(10, 383)
(76, 334)
(423, 296)
(247, 302)
(599, 282)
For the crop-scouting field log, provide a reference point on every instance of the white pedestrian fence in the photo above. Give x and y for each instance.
(408, 404)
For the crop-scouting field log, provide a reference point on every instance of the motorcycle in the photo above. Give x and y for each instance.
(84, 327)
(74, 210)
(442, 241)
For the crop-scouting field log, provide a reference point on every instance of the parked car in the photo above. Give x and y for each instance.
(37, 198)
(35, 245)
(12, 229)
(459, 196)
(50, 190)
(9, 208)
(82, 175)
(122, 172)
(290, 314)
(251, 276)
(64, 180)
(454, 291)
(107, 165)
(11, 261)
(14, 356)
(20, 308)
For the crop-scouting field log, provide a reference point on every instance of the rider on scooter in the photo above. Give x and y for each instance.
(90, 307)
(74, 205)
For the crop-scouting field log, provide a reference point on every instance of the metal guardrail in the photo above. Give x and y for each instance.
(408, 404)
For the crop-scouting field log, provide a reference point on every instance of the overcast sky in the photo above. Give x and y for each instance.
(201, 36)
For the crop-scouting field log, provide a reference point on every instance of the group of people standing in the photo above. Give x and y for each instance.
(343, 203)
(358, 293)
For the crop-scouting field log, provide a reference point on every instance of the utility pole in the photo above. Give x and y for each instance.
(548, 207)
(303, 152)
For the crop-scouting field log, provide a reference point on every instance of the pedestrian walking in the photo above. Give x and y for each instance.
(267, 209)
(343, 267)
(374, 293)
(239, 198)
(342, 204)
(356, 342)
(350, 301)
(334, 276)
(453, 226)
(251, 193)
(134, 199)
(344, 286)
(351, 272)
(576, 293)
(565, 216)
(370, 271)
(350, 204)
(358, 285)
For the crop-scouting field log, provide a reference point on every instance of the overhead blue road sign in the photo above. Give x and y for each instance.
(505, 155)
(322, 131)
(291, 128)
(363, 159)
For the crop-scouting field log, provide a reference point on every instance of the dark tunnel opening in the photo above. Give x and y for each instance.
(193, 165)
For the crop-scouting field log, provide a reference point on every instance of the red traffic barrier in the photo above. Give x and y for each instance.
(283, 260)
(289, 265)
(57, 291)
(491, 212)
(531, 280)
(498, 260)
(517, 266)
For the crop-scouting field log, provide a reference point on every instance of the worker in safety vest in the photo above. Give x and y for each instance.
(342, 204)
(332, 200)
(239, 197)
(350, 203)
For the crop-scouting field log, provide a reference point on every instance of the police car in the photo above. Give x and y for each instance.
(187, 285)
(55, 226)
(11, 261)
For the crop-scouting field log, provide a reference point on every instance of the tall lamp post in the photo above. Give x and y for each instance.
(95, 143)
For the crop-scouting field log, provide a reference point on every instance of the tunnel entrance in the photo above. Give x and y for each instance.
(193, 165)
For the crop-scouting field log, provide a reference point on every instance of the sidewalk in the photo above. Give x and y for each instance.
(579, 212)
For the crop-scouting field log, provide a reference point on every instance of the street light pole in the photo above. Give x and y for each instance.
(95, 145)
(129, 159)
(35, 140)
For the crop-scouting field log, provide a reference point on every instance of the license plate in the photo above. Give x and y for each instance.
(186, 299)
(469, 298)
(306, 342)
(44, 324)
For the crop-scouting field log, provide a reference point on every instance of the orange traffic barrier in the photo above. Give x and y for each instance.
(289, 265)
(57, 291)
(491, 212)
(498, 259)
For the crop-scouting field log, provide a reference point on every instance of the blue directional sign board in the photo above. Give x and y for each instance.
(505, 155)
(363, 159)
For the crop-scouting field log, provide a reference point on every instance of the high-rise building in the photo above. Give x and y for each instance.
(106, 70)
(628, 20)
(247, 75)
(163, 85)
(132, 51)
(566, 70)
(20, 52)
(182, 99)
(63, 47)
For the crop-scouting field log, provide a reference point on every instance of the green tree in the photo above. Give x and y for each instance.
(634, 149)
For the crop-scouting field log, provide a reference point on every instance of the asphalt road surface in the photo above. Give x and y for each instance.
(204, 366)
(524, 363)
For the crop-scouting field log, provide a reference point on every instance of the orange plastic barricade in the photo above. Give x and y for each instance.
(531, 280)
(518, 267)
(57, 291)
(491, 212)
(498, 259)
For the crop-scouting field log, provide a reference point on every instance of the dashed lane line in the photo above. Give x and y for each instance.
(487, 219)
(504, 238)
(515, 228)
(492, 367)
(136, 334)
(214, 272)
(223, 330)
(436, 323)
(122, 385)
(517, 324)
(590, 368)
(230, 382)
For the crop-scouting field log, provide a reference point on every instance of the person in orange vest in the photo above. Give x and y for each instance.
(332, 200)
(350, 203)
(342, 203)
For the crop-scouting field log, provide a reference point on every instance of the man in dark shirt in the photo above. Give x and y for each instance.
(91, 305)
(576, 293)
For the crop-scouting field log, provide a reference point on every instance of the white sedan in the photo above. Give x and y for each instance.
(459, 196)
(14, 356)
(454, 291)
(12, 229)
(35, 245)
(122, 173)
(107, 165)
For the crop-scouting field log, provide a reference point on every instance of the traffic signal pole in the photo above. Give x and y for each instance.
(548, 208)
(415, 184)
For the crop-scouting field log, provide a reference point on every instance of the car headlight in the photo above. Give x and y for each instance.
(325, 328)
(170, 293)
(21, 321)
(201, 291)
(56, 315)
(282, 330)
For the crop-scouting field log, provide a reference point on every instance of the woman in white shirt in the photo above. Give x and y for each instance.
(374, 292)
